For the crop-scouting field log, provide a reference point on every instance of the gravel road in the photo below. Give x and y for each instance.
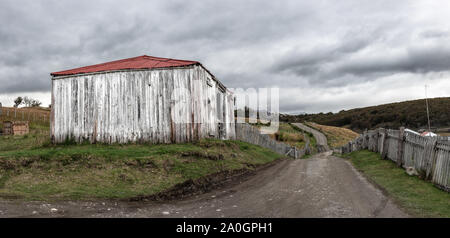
(321, 186)
(321, 139)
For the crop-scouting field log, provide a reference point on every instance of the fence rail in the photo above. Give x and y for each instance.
(429, 156)
(252, 135)
(24, 114)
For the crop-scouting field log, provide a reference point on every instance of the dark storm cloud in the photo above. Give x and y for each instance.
(323, 44)
(55, 35)
(415, 60)
(311, 61)
(329, 65)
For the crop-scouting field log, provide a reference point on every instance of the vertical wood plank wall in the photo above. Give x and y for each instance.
(429, 156)
(141, 106)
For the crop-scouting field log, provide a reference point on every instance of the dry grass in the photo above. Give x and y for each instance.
(336, 136)
(37, 116)
(287, 134)
(444, 133)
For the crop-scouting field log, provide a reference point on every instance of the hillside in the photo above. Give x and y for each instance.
(336, 136)
(411, 114)
(37, 116)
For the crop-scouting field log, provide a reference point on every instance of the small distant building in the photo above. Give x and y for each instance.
(412, 132)
(15, 128)
(428, 134)
(140, 99)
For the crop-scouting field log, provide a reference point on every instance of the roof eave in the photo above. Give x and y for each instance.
(59, 76)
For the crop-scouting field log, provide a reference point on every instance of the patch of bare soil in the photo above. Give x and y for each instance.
(204, 184)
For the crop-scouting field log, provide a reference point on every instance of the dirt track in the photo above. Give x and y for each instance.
(321, 139)
(322, 186)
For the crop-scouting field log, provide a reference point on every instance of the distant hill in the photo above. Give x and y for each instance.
(411, 114)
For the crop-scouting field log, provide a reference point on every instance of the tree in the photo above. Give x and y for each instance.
(18, 101)
(35, 103)
(27, 101)
(30, 102)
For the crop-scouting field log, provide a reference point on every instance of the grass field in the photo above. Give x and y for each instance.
(32, 168)
(336, 136)
(418, 197)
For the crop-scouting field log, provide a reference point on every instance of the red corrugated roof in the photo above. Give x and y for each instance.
(140, 62)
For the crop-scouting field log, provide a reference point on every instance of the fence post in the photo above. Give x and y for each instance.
(375, 140)
(384, 147)
(364, 141)
(401, 145)
(377, 137)
(430, 149)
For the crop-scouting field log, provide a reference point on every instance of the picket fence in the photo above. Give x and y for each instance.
(429, 156)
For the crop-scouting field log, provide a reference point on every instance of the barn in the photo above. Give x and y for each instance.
(140, 99)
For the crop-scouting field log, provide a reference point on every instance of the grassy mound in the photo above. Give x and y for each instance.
(32, 168)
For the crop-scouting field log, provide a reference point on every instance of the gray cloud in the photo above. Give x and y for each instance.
(415, 60)
(310, 62)
(325, 45)
(435, 34)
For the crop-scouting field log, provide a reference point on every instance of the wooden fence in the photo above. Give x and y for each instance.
(252, 135)
(429, 156)
(23, 114)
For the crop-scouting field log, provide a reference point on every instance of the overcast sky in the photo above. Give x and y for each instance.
(324, 55)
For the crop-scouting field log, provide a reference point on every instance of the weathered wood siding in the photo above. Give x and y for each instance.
(429, 156)
(414, 151)
(159, 106)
